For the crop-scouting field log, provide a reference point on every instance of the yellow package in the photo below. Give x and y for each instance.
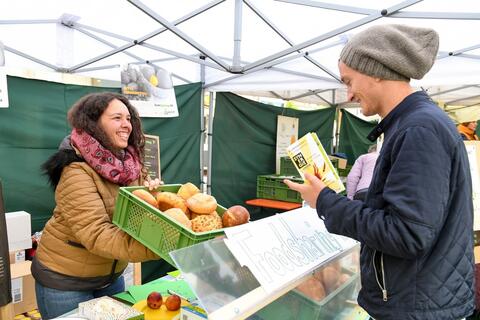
(309, 156)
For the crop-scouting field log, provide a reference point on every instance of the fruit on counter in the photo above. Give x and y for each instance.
(187, 190)
(154, 300)
(145, 196)
(173, 302)
(235, 215)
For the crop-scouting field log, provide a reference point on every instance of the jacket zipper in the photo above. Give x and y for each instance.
(384, 288)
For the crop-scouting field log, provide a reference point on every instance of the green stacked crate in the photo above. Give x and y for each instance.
(344, 172)
(287, 168)
(156, 231)
(272, 187)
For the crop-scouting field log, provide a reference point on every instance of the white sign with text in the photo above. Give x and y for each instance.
(284, 247)
(3, 88)
(287, 133)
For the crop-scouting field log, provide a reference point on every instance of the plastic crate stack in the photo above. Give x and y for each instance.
(272, 186)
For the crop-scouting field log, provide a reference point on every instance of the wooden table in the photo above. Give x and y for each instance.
(274, 204)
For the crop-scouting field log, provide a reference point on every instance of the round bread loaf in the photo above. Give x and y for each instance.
(213, 213)
(145, 196)
(312, 288)
(167, 200)
(206, 222)
(202, 203)
(235, 216)
(179, 216)
(187, 190)
(330, 277)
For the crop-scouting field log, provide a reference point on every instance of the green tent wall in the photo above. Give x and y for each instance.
(35, 123)
(244, 143)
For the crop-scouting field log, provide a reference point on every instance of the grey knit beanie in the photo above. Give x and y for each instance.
(392, 52)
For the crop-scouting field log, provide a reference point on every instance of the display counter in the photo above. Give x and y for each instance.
(320, 282)
(229, 290)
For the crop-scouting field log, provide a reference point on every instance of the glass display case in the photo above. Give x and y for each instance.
(228, 290)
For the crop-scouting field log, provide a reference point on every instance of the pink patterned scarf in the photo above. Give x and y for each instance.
(104, 162)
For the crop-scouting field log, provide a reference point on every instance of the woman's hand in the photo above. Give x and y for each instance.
(152, 184)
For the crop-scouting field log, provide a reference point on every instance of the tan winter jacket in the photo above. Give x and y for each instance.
(79, 239)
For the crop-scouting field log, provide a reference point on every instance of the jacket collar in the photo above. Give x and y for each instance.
(391, 118)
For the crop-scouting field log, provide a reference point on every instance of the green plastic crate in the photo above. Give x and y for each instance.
(148, 225)
(272, 187)
(296, 306)
(287, 168)
(344, 172)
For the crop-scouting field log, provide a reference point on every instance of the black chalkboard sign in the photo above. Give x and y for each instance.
(151, 161)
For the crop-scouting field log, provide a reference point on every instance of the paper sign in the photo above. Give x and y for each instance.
(150, 90)
(284, 247)
(151, 160)
(287, 133)
(3, 89)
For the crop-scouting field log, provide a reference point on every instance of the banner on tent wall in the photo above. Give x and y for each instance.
(150, 90)
(287, 133)
(3, 89)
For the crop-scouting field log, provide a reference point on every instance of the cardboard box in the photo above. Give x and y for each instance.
(19, 230)
(23, 287)
(341, 163)
(16, 256)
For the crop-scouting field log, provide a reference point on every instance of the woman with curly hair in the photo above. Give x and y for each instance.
(82, 254)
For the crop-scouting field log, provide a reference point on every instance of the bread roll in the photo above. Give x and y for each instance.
(145, 196)
(330, 276)
(167, 200)
(187, 190)
(213, 213)
(202, 203)
(235, 216)
(178, 215)
(312, 288)
(206, 222)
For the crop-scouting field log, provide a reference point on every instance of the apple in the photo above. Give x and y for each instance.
(154, 300)
(173, 302)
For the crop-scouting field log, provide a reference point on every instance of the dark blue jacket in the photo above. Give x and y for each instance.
(416, 225)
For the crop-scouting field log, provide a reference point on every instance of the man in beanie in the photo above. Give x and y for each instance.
(416, 224)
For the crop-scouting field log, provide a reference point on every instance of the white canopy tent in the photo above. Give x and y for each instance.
(286, 49)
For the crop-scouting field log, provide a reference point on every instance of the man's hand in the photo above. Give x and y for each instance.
(309, 190)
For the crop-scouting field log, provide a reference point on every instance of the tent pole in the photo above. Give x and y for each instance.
(237, 35)
(210, 147)
(202, 124)
(372, 17)
(337, 129)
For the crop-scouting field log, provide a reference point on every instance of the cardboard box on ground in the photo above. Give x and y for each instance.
(23, 287)
(19, 238)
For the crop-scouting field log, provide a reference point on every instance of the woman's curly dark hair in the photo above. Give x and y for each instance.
(86, 112)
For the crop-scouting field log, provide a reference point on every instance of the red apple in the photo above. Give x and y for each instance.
(173, 302)
(154, 300)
